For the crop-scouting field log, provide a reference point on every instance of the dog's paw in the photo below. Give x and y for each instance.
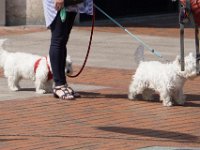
(131, 96)
(167, 103)
(41, 91)
(14, 89)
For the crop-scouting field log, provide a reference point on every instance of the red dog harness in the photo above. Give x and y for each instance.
(50, 75)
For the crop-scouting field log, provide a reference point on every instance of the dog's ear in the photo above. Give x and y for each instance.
(191, 54)
(139, 54)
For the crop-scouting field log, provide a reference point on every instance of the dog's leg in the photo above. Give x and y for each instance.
(49, 86)
(165, 98)
(132, 95)
(13, 83)
(180, 97)
(134, 90)
(39, 87)
(17, 83)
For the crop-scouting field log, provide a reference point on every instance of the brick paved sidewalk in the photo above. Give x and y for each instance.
(101, 119)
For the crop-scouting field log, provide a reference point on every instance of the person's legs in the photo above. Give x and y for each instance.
(60, 34)
(69, 23)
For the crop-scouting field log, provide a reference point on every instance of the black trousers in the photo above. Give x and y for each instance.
(60, 32)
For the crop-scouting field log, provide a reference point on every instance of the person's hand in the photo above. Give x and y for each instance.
(59, 4)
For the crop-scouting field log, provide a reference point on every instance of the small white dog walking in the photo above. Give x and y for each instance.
(166, 79)
(20, 65)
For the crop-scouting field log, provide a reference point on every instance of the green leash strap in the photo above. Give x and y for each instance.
(63, 14)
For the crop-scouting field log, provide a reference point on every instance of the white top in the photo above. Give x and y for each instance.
(50, 12)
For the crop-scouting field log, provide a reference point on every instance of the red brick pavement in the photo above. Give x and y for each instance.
(11, 30)
(101, 119)
(170, 32)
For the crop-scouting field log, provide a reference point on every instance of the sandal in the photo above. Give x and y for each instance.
(66, 94)
(70, 90)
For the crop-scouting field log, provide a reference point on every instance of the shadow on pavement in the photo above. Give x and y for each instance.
(9, 140)
(193, 97)
(190, 99)
(177, 136)
(100, 95)
(27, 89)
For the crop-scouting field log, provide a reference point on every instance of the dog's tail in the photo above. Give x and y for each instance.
(139, 54)
(3, 53)
(1, 45)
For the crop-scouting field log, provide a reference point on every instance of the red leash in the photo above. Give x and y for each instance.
(89, 47)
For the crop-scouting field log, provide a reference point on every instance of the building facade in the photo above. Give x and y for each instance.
(30, 12)
(2, 13)
(24, 12)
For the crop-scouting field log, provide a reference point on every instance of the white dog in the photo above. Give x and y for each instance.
(19, 66)
(165, 79)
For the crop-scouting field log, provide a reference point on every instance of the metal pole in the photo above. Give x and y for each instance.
(197, 48)
(182, 47)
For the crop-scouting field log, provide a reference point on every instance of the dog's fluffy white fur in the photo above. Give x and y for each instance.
(20, 65)
(166, 79)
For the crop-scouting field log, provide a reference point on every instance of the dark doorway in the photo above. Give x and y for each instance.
(122, 8)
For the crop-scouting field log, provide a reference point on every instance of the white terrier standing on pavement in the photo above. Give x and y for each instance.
(20, 65)
(166, 79)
